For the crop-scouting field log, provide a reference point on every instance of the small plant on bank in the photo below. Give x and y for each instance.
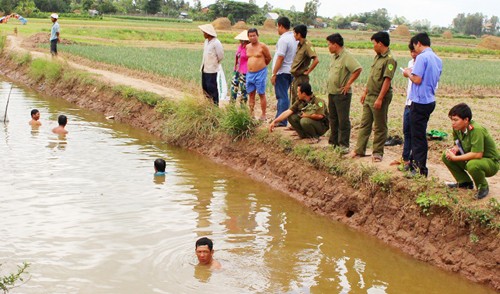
(473, 238)
(12, 280)
(427, 201)
(3, 39)
(148, 98)
(237, 122)
(382, 179)
(21, 59)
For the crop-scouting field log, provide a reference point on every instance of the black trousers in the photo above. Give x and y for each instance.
(209, 85)
(419, 117)
(53, 46)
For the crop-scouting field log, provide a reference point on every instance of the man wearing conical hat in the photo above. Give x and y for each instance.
(213, 53)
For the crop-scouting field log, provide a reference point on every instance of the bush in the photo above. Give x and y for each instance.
(9, 282)
(237, 122)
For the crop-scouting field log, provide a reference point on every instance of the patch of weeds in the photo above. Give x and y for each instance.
(12, 280)
(382, 179)
(473, 238)
(427, 201)
(302, 150)
(148, 98)
(43, 69)
(358, 175)
(22, 59)
(166, 107)
(192, 118)
(494, 205)
(479, 215)
(286, 144)
(237, 122)
(3, 38)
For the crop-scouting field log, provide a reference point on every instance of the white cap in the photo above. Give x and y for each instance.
(54, 15)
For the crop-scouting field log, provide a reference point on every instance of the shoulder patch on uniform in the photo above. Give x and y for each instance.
(320, 104)
(391, 67)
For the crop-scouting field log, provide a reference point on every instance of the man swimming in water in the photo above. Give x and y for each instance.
(60, 130)
(35, 116)
(160, 165)
(204, 252)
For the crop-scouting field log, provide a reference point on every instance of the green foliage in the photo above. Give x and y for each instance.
(148, 98)
(382, 179)
(11, 281)
(427, 201)
(238, 10)
(237, 122)
(3, 38)
(479, 215)
(22, 59)
(44, 69)
(192, 117)
(150, 18)
(473, 238)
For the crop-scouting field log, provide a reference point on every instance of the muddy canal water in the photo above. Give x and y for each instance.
(86, 212)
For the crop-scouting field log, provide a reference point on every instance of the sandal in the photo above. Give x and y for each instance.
(377, 157)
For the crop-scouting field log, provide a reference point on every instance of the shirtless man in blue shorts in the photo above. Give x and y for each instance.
(259, 57)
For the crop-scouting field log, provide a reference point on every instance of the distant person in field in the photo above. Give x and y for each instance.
(376, 99)
(259, 57)
(35, 118)
(424, 76)
(160, 166)
(474, 154)
(304, 62)
(54, 34)
(239, 81)
(308, 115)
(344, 70)
(62, 120)
(213, 53)
(282, 65)
(406, 115)
(204, 252)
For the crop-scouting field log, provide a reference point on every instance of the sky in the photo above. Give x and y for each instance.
(438, 12)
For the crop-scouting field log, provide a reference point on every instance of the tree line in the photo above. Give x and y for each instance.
(471, 24)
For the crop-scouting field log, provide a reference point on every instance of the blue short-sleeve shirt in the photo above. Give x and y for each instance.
(428, 66)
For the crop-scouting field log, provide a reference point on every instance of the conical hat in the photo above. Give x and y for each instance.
(243, 36)
(209, 29)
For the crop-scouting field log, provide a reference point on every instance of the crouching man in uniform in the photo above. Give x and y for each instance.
(308, 115)
(474, 152)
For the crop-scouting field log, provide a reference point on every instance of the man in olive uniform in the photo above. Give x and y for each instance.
(474, 152)
(308, 115)
(305, 54)
(376, 99)
(344, 70)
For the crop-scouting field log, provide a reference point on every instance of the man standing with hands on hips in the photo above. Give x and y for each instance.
(424, 77)
(282, 65)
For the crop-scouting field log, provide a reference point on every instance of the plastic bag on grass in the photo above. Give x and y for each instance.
(222, 84)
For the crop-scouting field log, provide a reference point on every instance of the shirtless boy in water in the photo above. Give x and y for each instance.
(259, 57)
(62, 120)
(35, 116)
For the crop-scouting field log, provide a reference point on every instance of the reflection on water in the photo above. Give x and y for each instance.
(85, 213)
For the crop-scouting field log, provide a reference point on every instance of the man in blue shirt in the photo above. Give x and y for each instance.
(424, 77)
(282, 65)
(54, 34)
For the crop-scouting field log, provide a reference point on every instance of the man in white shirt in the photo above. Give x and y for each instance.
(282, 65)
(213, 53)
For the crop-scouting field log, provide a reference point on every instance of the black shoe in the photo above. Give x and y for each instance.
(464, 185)
(481, 193)
(393, 141)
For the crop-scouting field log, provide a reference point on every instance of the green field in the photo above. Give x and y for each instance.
(184, 64)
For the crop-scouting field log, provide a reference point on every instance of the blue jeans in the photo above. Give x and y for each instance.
(283, 82)
(406, 134)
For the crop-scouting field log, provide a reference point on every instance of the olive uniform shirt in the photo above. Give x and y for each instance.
(315, 106)
(341, 68)
(383, 67)
(302, 60)
(477, 139)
